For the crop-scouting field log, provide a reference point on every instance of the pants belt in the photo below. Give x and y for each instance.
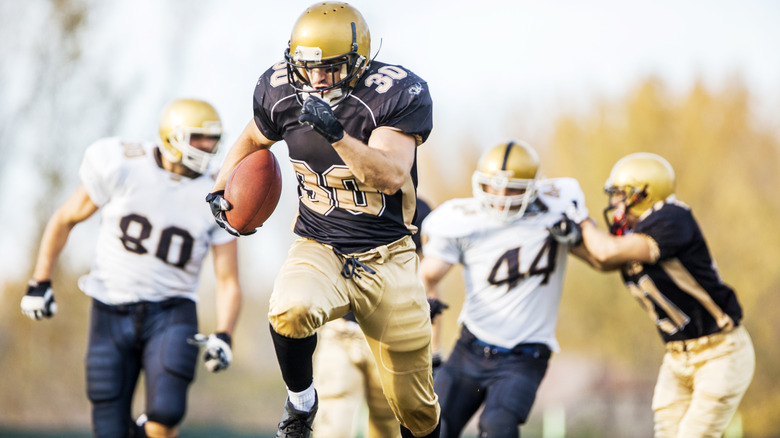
(535, 350)
(696, 344)
(145, 306)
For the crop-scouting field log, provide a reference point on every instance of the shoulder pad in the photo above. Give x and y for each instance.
(455, 218)
(560, 194)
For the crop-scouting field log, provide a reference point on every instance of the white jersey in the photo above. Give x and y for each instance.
(513, 270)
(155, 226)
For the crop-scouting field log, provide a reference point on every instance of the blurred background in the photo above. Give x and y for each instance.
(585, 83)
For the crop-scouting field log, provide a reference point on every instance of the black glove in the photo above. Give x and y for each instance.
(218, 353)
(219, 205)
(319, 115)
(436, 363)
(436, 307)
(39, 301)
(567, 232)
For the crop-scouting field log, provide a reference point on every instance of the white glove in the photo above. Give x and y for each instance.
(577, 213)
(39, 302)
(218, 353)
(566, 231)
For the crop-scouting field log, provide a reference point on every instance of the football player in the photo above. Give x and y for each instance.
(657, 245)
(352, 126)
(153, 238)
(346, 375)
(513, 248)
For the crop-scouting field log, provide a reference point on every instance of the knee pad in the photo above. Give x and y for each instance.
(168, 415)
(179, 357)
(295, 321)
(498, 424)
(105, 376)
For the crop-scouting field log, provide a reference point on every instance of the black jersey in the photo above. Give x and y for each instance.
(335, 208)
(682, 291)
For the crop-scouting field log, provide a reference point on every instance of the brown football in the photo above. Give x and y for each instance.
(253, 189)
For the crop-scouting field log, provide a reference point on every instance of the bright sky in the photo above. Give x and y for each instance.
(481, 59)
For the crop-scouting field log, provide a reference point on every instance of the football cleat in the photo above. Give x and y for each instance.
(295, 423)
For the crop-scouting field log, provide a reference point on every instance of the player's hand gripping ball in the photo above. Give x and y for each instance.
(253, 189)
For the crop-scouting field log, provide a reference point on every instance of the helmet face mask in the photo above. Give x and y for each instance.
(182, 121)
(505, 180)
(331, 37)
(636, 183)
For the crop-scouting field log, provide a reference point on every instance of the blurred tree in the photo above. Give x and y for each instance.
(38, 120)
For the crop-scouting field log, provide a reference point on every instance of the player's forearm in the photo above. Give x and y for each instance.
(601, 249)
(76, 209)
(228, 296)
(228, 305)
(384, 163)
(54, 238)
(372, 166)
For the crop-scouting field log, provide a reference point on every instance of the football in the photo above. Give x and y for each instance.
(253, 189)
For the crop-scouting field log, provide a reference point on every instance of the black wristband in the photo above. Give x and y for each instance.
(225, 337)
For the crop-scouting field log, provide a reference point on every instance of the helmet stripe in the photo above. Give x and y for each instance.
(354, 37)
(506, 154)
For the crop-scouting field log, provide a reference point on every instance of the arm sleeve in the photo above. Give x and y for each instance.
(412, 112)
(672, 229)
(262, 112)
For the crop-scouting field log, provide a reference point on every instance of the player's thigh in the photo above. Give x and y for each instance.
(398, 330)
(461, 390)
(394, 310)
(720, 381)
(672, 394)
(511, 393)
(726, 369)
(170, 362)
(112, 370)
(112, 364)
(308, 291)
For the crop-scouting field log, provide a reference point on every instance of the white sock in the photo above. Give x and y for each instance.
(304, 400)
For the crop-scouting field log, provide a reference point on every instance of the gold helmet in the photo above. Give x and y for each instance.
(511, 165)
(643, 179)
(330, 35)
(179, 121)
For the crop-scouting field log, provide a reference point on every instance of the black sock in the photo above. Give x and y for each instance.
(294, 356)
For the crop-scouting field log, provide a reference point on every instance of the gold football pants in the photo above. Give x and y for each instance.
(346, 377)
(389, 305)
(701, 383)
